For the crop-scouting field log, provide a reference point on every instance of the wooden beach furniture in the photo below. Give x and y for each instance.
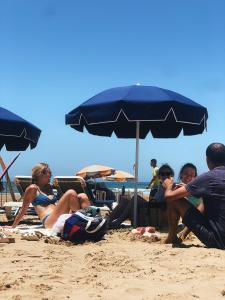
(21, 182)
(65, 183)
(78, 184)
(5, 169)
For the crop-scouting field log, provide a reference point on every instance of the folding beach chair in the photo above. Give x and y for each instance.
(21, 182)
(5, 169)
(77, 183)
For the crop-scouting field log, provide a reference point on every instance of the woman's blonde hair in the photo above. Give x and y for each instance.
(37, 170)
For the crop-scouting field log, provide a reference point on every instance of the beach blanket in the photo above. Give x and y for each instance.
(30, 232)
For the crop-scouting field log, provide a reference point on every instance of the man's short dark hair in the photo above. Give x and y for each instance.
(215, 152)
(154, 160)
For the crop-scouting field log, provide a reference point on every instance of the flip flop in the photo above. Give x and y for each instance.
(31, 236)
(139, 230)
(5, 239)
(150, 229)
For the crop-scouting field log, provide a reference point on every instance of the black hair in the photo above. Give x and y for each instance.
(168, 167)
(154, 160)
(215, 152)
(188, 165)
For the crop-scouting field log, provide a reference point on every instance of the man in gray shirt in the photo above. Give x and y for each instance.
(208, 221)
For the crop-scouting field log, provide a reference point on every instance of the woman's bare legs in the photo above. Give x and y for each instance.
(68, 202)
(175, 210)
(83, 200)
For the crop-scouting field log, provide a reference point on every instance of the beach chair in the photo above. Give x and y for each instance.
(77, 183)
(21, 182)
(100, 195)
(65, 183)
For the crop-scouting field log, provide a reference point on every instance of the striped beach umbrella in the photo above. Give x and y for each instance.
(95, 171)
(120, 176)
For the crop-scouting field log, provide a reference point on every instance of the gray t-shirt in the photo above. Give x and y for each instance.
(211, 187)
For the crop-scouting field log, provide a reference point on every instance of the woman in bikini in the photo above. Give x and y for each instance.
(48, 206)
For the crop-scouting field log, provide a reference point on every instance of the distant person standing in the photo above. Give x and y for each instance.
(154, 182)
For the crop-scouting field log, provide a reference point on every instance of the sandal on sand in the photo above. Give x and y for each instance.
(6, 239)
(150, 229)
(142, 230)
(30, 236)
(52, 239)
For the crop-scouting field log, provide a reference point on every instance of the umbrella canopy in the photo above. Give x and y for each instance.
(121, 176)
(16, 133)
(134, 111)
(162, 112)
(95, 171)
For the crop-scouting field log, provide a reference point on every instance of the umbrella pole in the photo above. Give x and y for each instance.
(136, 174)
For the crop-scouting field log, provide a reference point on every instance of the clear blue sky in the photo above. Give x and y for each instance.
(56, 54)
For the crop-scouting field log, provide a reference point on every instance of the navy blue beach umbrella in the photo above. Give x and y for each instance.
(134, 111)
(17, 134)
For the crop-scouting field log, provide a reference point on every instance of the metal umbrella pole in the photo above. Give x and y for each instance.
(136, 173)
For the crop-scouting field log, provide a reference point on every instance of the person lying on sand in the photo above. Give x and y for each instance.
(47, 205)
(206, 222)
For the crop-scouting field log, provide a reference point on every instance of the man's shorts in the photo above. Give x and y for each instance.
(203, 228)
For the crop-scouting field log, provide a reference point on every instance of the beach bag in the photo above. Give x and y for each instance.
(84, 225)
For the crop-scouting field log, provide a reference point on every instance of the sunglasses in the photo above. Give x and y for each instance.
(165, 174)
(46, 171)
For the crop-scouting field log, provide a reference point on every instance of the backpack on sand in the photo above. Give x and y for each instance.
(84, 225)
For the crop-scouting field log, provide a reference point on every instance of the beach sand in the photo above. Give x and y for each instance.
(121, 267)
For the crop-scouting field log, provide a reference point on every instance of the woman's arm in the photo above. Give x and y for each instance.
(29, 196)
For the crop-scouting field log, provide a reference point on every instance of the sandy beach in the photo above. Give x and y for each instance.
(120, 267)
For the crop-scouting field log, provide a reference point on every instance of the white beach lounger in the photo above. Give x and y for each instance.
(9, 206)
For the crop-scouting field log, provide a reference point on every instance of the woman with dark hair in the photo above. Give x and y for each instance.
(125, 209)
(187, 173)
(188, 169)
(47, 205)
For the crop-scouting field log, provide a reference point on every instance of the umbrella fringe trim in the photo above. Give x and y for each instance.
(154, 120)
(18, 136)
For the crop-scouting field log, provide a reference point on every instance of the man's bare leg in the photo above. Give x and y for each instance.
(175, 210)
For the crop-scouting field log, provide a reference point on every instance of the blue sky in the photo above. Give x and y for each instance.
(56, 54)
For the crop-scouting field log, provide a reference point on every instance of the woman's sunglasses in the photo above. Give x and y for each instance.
(46, 171)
